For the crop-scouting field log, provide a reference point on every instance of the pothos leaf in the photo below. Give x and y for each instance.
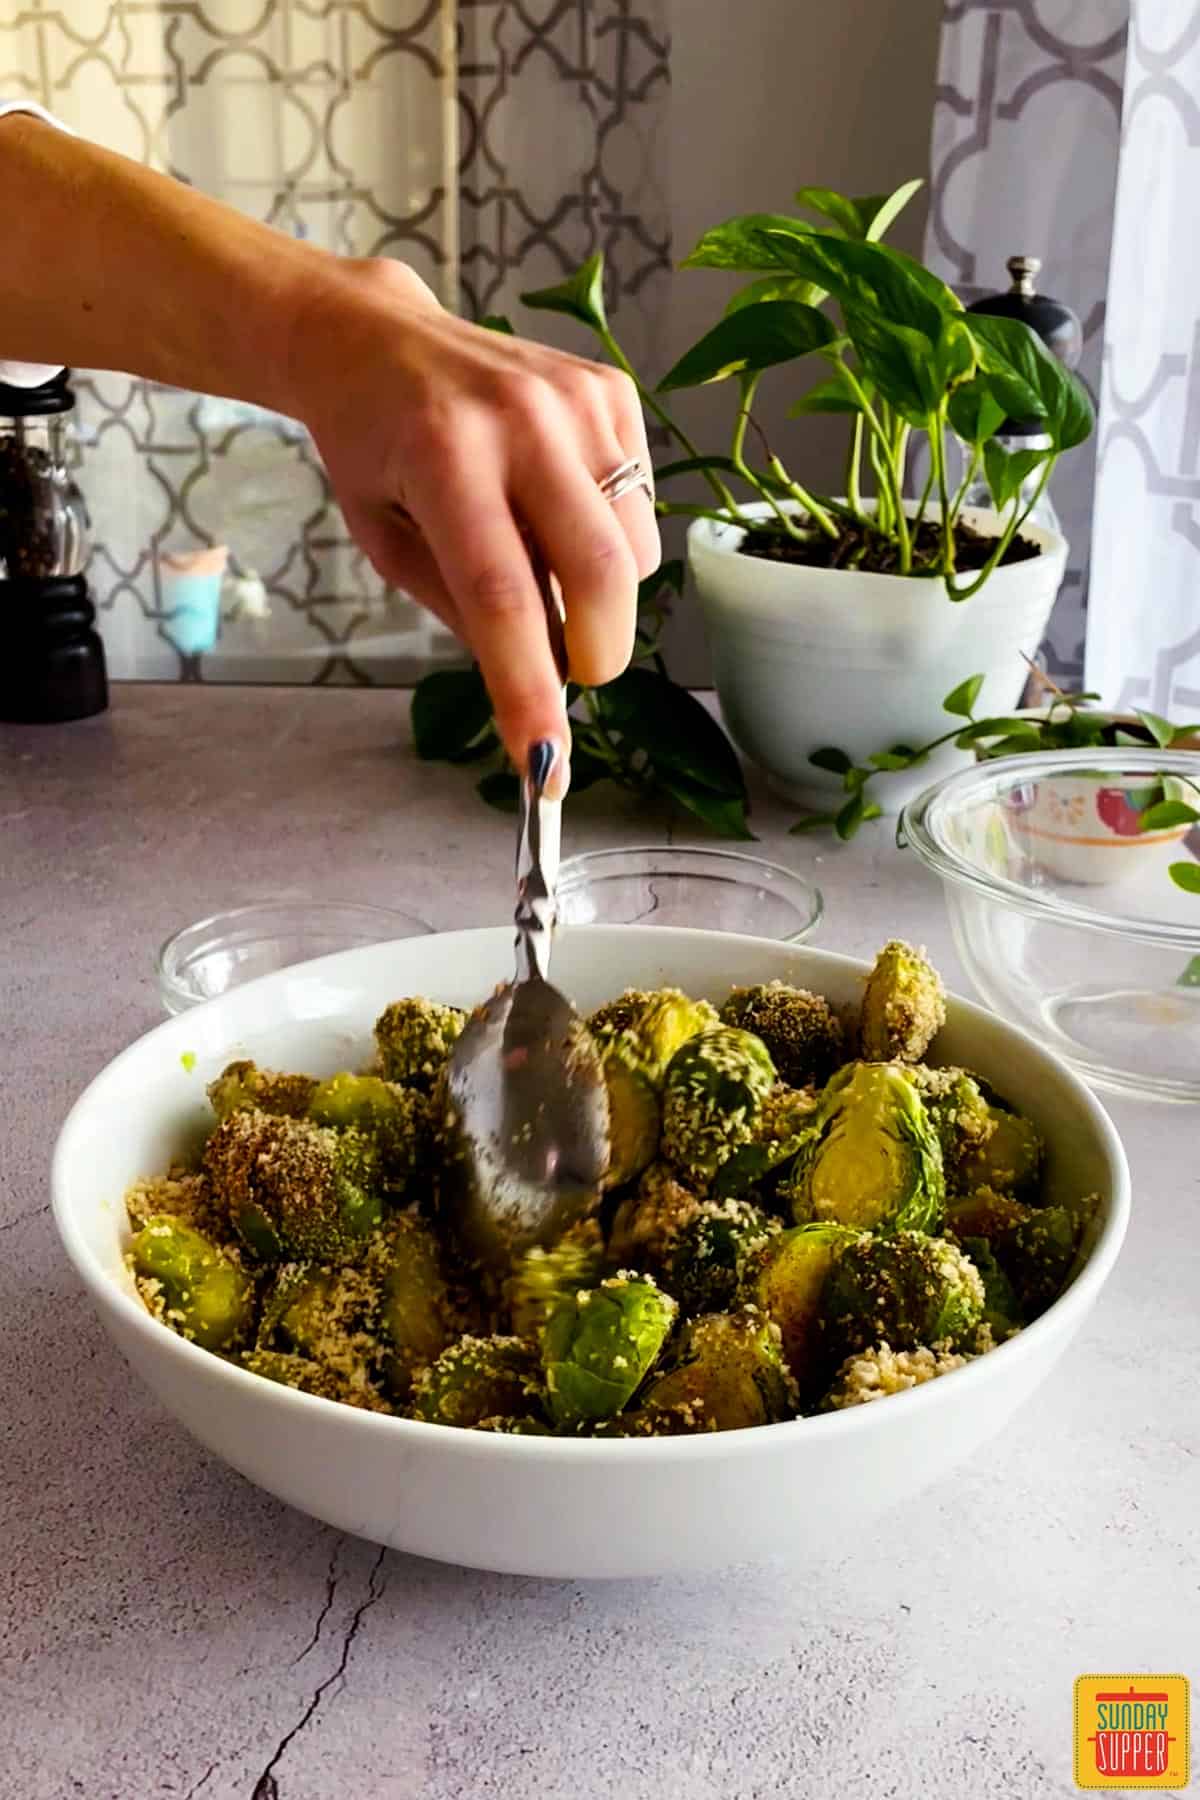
(497, 322)
(961, 700)
(756, 338)
(1167, 815)
(580, 297)
(1185, 875)
(451, 708)
(725, 813)
(500, 789)
(776, 287)
(677, 734)
(743, 243)
(856, 812)
(1160, 729)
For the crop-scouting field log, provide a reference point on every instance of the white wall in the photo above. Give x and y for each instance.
(768, 95)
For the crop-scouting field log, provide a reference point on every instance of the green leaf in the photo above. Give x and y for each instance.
(1179, 733)
(1019, 743)
(497, 322)
(1186, 875)
(985, 728)
(1007, 471)
(889, 759)
(812, 822)
(743, 243)
(1128, 739)
(669, 574)
(776, 331)
(500, 789)
(678, 735)
(832, 396)
(586, 769)
(775, 287)
(975, 413)
(1167, 814)
(961, 700)
(856, 812)
(835, 761)
(1028, 380)
(900, 361)
(829, 205)
(725, 813)
(869, 278)
(1191, 975)
(879, 212)
(1160, 729)
(450, 709)
(580, 297)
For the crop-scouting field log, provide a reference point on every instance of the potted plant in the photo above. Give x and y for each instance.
(827, 614)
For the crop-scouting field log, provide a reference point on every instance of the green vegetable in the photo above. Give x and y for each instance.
(904, 1290)
(873, 1160)
(786, 1280)
(475, 1379)
(1008, 1160)
(546, 1275)
(1038, 1252)
(292, 1188)
(800, 1030)
(414, 1039)
(715, 1088)
(598, 1345)
(781, 1130)
(194, 1286)
(394, 1120)
(961, 1116)
(903, 1006)
(417, 1314)
(726, 1375)
(710, 1252)
(308, 1377)
(647, 1223)
(244, 1087)
(1001, 1309)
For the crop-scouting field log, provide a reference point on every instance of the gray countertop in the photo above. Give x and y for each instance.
(165, 1629)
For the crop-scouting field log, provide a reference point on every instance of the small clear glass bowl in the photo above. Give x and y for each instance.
(1064, 911)
(710, 890)
(224, 951)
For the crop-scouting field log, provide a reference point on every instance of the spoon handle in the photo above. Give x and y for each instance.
(539, 828)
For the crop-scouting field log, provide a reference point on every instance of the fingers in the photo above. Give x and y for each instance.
(467, 518)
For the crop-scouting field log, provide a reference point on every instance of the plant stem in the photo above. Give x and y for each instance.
(884, 462)
(854, 469)
(937, 443)
(663, 416)
(956, 504)
(813, 507)
(1010, 531)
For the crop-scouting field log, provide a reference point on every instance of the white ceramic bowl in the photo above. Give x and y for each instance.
(542, 1506)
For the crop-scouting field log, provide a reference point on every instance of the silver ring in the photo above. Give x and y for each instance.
(625, 478)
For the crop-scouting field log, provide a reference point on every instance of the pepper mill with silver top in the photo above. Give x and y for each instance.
(1061, 331)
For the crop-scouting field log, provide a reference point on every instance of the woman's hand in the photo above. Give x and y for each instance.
(473, 434)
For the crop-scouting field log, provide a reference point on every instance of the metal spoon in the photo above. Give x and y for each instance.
(528, 1106)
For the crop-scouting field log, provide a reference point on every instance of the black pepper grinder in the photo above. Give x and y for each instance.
(1061, 331)
(52, 660)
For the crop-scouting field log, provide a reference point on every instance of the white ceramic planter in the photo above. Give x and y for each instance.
(804, 658)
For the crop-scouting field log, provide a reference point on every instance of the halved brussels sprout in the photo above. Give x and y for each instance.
(710, 1252)
(417, 1315)
(598, 1345)
(325, 1315)
(874, 1160)
(478, 1378)
(294, 1188)
(1009, 1159)
(1001, 1309)
(191, 1284)
(545, 1275)
(634, 1119)
(755, 1170)
(414, 1039)
(715, 1089)
(1038, 1253)
(961, 1115)
(903, 1007)
(308, 1377)
(395, 1120)
(984, 1214)
(801, 1030)
(244, 1087)
(727, 1374)
(786, 1280)
(646, 1224)
(904, 1290)
(648, 1028)
(875, 1373)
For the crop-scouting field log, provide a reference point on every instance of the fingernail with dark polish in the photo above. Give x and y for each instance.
(542, 757)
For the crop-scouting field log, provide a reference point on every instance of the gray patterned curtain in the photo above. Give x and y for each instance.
(1070, 130)
(493, 139)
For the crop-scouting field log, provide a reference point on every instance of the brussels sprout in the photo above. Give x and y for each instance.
(648, 1028)
(414, 1039)
(394, 1120)
(781, 1129)
(801, 1030)
(293, 1188)
(874, 1374)
(1038, 1253)
(961, 1116)
(874, 1159)
(1009, 1159)
(727, 1374)
(244, 1087)
(634, 1119)
(417, 1315)
(715, 1088)
(309, 1377)
(710, 1251)
(478, 1378)
(786, 1280)
(545, 1275)
(179, 1194)
(1001, 1308)
(904, 1290)
(191, 1284)
(646, 1224)
(984, 1214)
(598, 1345)
(903, 1007)
(325, 1315)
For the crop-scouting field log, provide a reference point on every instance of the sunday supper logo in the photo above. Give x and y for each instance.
(1131, 1731)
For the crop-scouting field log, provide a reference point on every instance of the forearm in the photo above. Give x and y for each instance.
(111, 266)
